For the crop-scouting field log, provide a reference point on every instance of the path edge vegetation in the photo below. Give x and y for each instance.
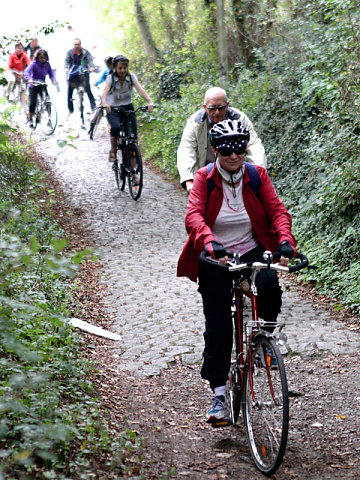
(51, 423)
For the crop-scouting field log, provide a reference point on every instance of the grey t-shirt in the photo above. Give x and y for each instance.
(120, 95)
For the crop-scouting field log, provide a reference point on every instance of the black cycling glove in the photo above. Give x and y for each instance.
(215, 249)
(286, 250)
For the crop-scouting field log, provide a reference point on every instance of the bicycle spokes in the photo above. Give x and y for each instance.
(266, 405)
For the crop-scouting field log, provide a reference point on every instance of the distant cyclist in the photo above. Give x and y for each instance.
(17, 63)
(32, 47)
(37, 71)
(78, 63)
(118, 93)
(106, 72)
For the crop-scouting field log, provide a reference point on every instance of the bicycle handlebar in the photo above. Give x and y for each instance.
(37, 83)
(143, 108)
(17, 72)
(268, 257)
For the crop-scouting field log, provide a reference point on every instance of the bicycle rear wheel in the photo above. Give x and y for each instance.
(48, 119)
(136, 175)
(265, 405)
(95, 123)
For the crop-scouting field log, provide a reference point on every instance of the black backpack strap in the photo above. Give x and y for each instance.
(131, 83)
(255, 183)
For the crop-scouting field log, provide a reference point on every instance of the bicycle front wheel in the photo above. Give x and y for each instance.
(265, 405)
(95, 123)
(136, 174)
(48, 119)
(119, 170)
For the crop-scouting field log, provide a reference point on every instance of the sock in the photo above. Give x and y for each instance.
(220, 391)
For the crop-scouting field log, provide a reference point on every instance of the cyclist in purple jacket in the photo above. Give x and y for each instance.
(37, 71)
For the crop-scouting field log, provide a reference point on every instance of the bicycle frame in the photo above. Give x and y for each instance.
(241, 289)
(44, 108)
(129, 166)
(79, 86)
(257, 383)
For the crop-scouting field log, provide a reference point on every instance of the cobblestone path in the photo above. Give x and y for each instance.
(158, 315)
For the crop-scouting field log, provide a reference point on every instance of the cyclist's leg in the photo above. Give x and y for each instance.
(70, 97)
(89, 92)
(114, 120)
(33, 92)
(215, 289)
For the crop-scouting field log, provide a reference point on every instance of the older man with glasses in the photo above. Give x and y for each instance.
(195, 150)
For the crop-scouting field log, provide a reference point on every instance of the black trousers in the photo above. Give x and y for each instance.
(215, 288)
(33, 94)
(116, 118)
(77, 81)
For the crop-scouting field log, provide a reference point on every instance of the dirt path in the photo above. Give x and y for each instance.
(150, 381)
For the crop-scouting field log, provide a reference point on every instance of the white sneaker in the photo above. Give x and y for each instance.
(219, 412)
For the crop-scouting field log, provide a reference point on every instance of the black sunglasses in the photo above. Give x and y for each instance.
(227, 151)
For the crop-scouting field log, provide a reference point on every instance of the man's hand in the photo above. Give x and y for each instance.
(189, 185)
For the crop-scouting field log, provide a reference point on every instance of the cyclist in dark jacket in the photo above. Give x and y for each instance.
(32, 47)
(78, 63)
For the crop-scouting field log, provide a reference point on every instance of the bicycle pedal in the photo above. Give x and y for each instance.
(221, 423)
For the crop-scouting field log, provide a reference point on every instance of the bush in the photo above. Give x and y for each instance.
(50, 422)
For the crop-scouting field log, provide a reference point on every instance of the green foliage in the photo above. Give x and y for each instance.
(24, 36)
(50, 423)
(302, 93)
(160, 138)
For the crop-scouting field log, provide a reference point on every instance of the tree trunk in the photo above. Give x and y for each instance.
(222, 43)
(181, 17)
(144, 29)
(245, 23)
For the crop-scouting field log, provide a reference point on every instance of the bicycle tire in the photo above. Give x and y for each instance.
(266, 407)
(81, 108)
(234, 393)
(119, 170)
(48, 119)
(116, 168)
(95, 123)
(135, 177)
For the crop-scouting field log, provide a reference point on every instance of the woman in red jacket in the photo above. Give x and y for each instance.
(233, 206)
(17, 63)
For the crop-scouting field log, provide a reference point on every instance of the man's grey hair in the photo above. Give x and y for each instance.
(210, 92)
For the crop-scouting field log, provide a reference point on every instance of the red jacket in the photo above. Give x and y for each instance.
(18, 63)
(270, 220)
